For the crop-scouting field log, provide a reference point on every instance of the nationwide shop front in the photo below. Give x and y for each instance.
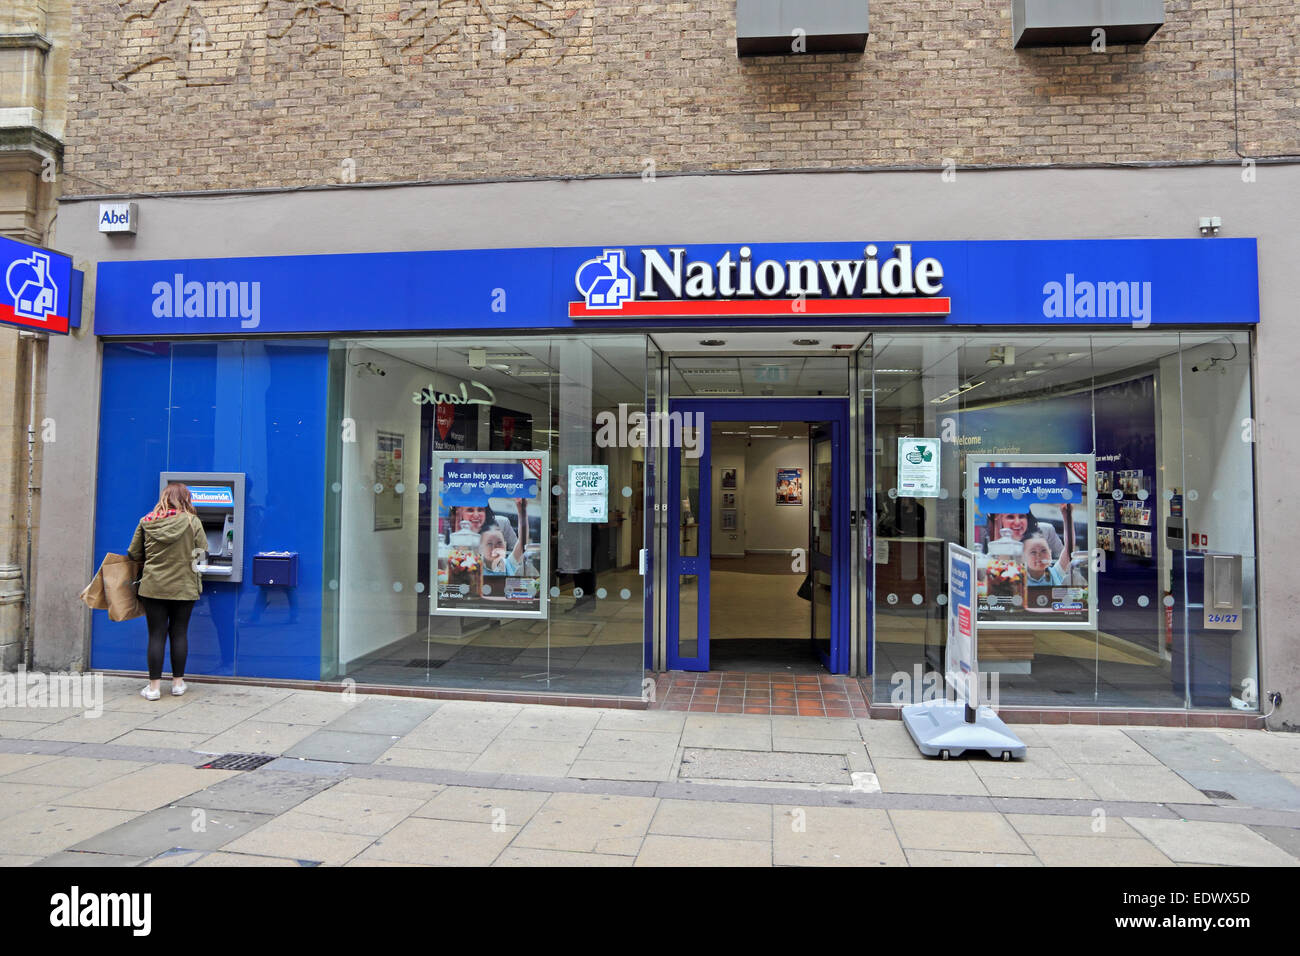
(551, 470)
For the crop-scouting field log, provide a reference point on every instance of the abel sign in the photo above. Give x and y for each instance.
(918, 467)
(589, 494)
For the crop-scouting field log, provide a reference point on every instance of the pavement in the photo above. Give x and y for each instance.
(371, 780)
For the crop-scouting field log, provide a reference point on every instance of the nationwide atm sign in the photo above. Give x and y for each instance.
(883, 281)
(35, 287)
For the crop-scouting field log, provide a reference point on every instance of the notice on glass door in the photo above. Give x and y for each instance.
(918, 467)
(589, 494)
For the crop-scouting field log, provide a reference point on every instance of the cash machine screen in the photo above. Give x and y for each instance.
(212, 496)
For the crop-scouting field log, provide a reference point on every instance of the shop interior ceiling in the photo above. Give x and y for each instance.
(911, 370)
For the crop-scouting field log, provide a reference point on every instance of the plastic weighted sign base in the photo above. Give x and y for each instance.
(939, 729)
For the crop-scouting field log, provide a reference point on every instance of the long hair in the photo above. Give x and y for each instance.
(1031, 527)
(174, 499)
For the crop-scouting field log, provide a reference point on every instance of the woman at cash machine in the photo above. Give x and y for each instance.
(167, 540)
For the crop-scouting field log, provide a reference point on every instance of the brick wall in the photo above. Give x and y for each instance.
(193, 94)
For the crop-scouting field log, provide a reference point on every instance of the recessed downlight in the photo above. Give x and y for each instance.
(713, 343)
(806, 342)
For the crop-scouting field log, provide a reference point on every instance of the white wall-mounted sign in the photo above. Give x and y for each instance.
(918, 467)
(119, 217)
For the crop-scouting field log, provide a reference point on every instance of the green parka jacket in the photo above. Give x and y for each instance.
(166, 546)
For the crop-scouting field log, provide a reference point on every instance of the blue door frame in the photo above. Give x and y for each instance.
(834, 411)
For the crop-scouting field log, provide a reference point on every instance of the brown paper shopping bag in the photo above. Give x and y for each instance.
(115, 590)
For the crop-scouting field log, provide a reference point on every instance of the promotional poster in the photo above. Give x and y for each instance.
(1032, 528)
(492, 513)
(789, 486)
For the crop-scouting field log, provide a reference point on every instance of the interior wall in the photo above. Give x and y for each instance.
(769, 526)
(371, 613)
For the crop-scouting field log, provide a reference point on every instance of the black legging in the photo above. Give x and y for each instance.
(164, 617)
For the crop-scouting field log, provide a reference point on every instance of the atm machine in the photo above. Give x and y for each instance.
(218, 498)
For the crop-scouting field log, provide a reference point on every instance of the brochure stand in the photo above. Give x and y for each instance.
(946, 728)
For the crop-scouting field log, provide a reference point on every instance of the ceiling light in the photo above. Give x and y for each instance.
(535, 373)
(806, 342)
(709, 371)
(717, 390)
(898, 371)
(713, 343)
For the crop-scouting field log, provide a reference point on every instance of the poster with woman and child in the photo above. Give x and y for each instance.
(1032, 525)
(492, 515)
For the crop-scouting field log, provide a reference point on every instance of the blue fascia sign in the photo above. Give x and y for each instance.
(37, 288)
(1136, 283)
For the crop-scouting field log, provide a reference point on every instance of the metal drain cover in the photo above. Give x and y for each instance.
(237, 762)
(421, 662)
(1218, 794)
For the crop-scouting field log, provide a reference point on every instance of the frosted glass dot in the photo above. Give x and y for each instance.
(578, 592)
(334, 585)
(1117, 494)
(487, 589)
(1169, 600)
(400, 487)
(625, 594)
(1143, 601)
(1169, 494)
(1193, 495)
(627, 491)
(1016, 601)
(423, 488)
(463, 589)
(554, 592)
(601, 593)
(419, 587)
(336, 487)
(378, 489)
(1217, 495)
(1143, 494)
(943, 494)
(893, 492)
(555, 490)
(917, 599)
(1117, 600)
(941, 600)
(397, 586)
(892, 598)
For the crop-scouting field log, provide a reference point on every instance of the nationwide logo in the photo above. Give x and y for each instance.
(32, 290)
(735, 285)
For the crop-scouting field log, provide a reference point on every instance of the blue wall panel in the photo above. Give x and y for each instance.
(257, 408)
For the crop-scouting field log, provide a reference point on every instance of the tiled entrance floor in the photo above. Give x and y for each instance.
(730, 692)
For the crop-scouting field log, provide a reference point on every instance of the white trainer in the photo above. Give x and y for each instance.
(148, 694)
(178, 689)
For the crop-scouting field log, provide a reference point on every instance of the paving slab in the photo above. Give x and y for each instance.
(1279, 752)
(583, 769)
(724, 732)
(556, 724)
(1266, 789)
(1140, 784)
(388, 787)
(342, 747)
(1094, 850)
(834, 836)
(225, 858)
(73, 772)
(647, 721)
(197, 717)
(484, 805)
(74, 858)
(545, 758)
(401, 756)
(1041, 774)
(169, 739)
(430, 842)
(903, 775)
(99, 730)
(1045, 824)
(256, 736)
(44, 830)
(1193, 750)
(15, 763)
(173, 827)
(16, 798)
(629, 746)
(278, 840)
(661, 850)
(954, 830)
(258, 791)
(888, 738)
(589, 823)
(961, 858)
(392, 715)
(306, 707)
(727, 821)
(816, 728)
(1285, 838)
(766, 766)
(338, 811)
(522, 856)
(1086, 744)
(1220, 844)
(146, 789)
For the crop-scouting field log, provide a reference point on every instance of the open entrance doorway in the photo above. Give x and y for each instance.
(759, 577)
